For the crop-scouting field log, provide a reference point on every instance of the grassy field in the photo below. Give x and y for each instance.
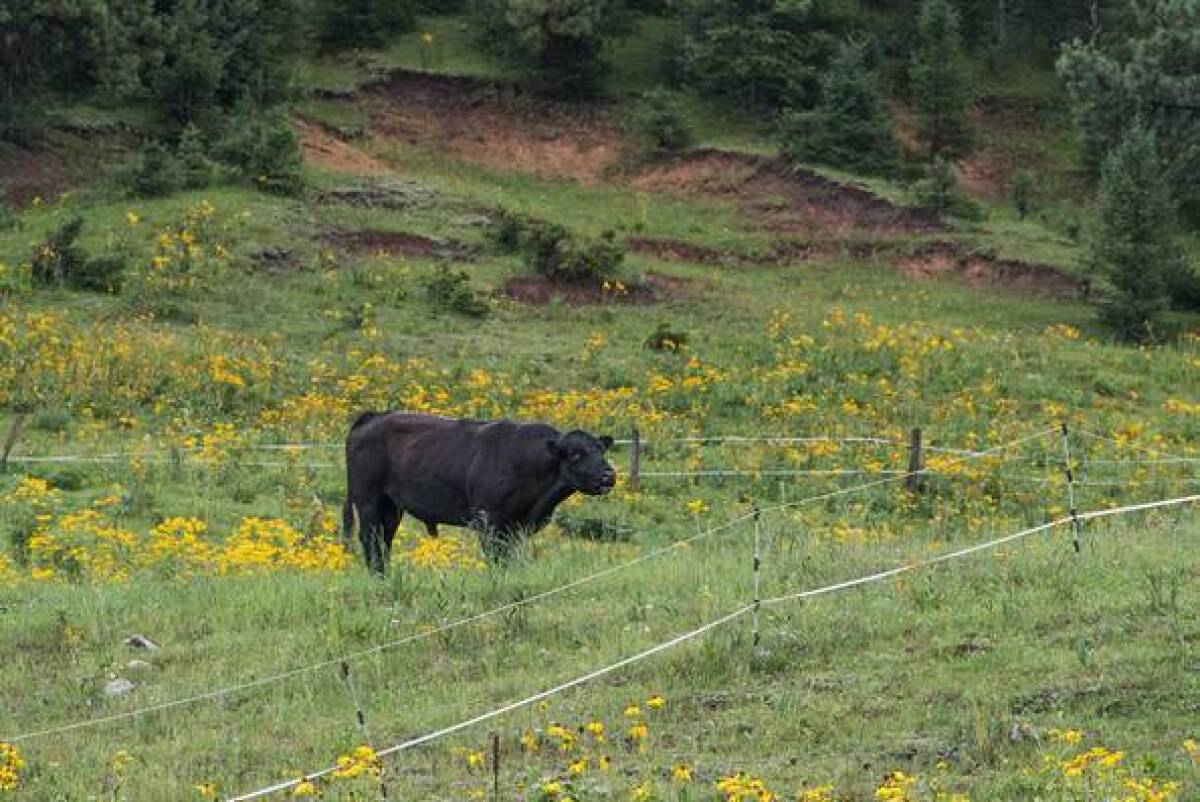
(249, 323)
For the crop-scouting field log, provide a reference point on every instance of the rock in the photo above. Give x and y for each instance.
(141, 642)
(138, 665)
(118, 687)
(471, 220)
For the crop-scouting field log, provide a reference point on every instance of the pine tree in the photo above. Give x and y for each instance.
(849, 127)
(1133, 255)
(363, 23)
(940, 81)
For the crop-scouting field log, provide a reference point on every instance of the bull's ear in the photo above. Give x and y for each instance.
(606, 442)
(555, 449)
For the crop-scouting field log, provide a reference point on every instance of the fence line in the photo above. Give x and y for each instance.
(417, 636)
(711, 625)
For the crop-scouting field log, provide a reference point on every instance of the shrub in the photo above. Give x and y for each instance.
(849, 127)
(659, 121)
(939, 191)
(449, 290)
(665, 338)
(1022, 192)
(263, 148)
(556, 253)
(553, 251)
(196, 170)
(59, 260)
(154, 172)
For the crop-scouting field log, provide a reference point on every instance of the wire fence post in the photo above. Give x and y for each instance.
(361, 718)
(757, 564)
(635, 460)
(1075, 525)
(496, 766)
(915, 462)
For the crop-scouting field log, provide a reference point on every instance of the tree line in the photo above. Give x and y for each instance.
(214, 74)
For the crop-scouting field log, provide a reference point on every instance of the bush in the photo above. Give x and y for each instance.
(154, 172)
(939, 191)
(195, 168)
(60, 261)
(553, 251)
(659, 121)
(1023, 192)
(849, 127)
(558, 254)
(449, 290)
(665, 338)
(363, 23)
(263, 148)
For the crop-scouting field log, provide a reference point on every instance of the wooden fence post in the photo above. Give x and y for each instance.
(635, 460)
(916, 463)
(14, 431)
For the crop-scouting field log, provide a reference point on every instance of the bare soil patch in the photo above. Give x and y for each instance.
(399, 243)
(539, 291)
(27, 174)
(323, 149)
(948, 259)
(485, 124)
(784, 199)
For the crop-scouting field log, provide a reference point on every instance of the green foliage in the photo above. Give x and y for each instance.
(939, 190)
(940, 81)
(659, 121)
(1152, 76)
(1133, 254)
(763, 53)
(60, 261)
(263, 148)
(362, 23)
(666, 338)
(449, 290)
(196, 169)
(559, 45)
(849, 128)
(554, 251)
(1023, 188)
(153, 172)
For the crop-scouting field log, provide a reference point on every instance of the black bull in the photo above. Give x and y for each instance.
(502, 478)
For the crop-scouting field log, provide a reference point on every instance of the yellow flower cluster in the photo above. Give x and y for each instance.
(742, 787)
(444, 553)
(11, 765)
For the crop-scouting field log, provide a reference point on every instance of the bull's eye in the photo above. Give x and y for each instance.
(578, 455)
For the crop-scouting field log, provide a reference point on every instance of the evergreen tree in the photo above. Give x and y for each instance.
(363, 23)
(1133, 255)
(764, 53)
(849, 127)
(940, 81)
(559, 45)
(1153, 75)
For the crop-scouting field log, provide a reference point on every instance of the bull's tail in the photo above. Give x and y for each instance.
(350, 524)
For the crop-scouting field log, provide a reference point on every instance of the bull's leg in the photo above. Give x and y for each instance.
(377, 521)
(498, 540)
(431, 528)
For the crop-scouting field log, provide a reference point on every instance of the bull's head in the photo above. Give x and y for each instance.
(581, 462)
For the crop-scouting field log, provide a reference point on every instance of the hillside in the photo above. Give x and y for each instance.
(770, 332)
